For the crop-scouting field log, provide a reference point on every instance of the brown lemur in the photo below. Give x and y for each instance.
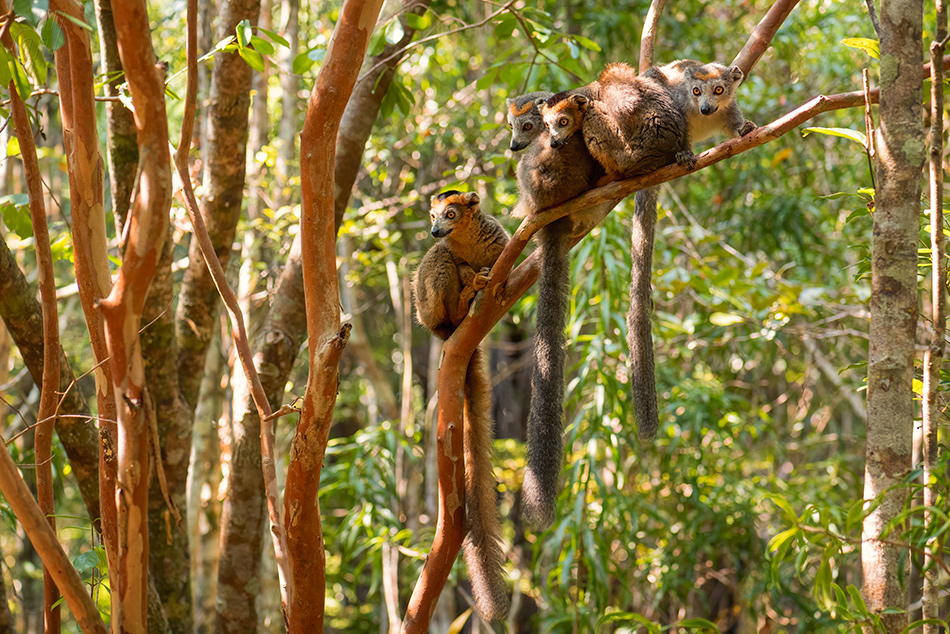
(451, 272)
(631, 125)
(548, 176)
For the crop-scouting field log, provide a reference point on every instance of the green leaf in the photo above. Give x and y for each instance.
(725, 319)
(855, 135)
(253, 58)
(16, 214)
(6, 74)
(779, 540)
(419, 22)
(24, 9)
(31, 50)
(394, 31)
(62, 247)
(52, 35)
(459, 622)
(869, 46)
(76, 21)
(486, 80)
(302, 63)
(20, 79)
(244, 33)
(700, 624)
(262, 46)
(785, 507)
(274, 37)
(587, 43)
(86, 562)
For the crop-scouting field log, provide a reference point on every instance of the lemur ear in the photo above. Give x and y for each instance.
(580, 100)
(736, 73)
(433, 200)
(540, 101)
(471, 198)
(508, 102)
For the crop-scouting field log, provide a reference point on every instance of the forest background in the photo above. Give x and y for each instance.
(745, 515)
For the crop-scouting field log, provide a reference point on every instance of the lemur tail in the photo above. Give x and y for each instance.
(545, 452)
(639, 335)
(484, 549)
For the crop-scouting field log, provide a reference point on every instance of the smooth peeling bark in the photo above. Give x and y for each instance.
(900, 157)
(225, 162)
(148, 224)
(362, 110)
(328, 99)
(244, 510)
(75, 76)
(49, 399)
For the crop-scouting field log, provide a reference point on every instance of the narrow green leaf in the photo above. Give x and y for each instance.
(302, 63)
(274, 37)
(262, 46)
(253, 58)
(587, 43)
(76, 21)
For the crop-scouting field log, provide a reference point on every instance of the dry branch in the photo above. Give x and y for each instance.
(648, 37)
(43, 538)
(327, 103)
(147, 227)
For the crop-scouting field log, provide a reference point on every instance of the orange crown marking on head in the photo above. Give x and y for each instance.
(453, 199)
(559, 106)
(523, 110)
(706, 75)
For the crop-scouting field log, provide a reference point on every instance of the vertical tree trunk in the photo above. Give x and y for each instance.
(900, 157)
(328, 100)
(933, 358)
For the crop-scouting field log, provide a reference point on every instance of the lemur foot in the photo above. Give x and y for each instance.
(481, 279)
(686, 159)
(747, 127)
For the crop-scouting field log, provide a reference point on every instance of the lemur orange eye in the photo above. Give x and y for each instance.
(528, 126)
(450, 215)
(718, 90)
(696, 91)
(563, 121)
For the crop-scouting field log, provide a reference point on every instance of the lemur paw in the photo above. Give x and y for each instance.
(746, 127)
(481, 279)
(686, 159)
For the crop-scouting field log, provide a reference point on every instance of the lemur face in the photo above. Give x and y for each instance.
(452, 210)
(563, 117)
(525, 121)
(712, 86)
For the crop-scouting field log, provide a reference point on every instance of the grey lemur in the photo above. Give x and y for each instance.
(705, 94)
(631, 125)
(548, 176)
(451, 272)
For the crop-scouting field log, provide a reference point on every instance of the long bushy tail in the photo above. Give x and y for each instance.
(546, 415)
(484, 548)
(639, 335)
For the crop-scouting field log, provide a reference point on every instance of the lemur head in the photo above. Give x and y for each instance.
(563, 115)
(524, 119)
(452, 210)
(712, 86)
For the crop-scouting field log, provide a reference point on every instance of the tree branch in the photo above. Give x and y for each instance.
(490, 307)
(762, 35)
(43, 538)
(648, 37)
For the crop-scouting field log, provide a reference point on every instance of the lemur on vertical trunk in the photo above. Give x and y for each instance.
(451, 272)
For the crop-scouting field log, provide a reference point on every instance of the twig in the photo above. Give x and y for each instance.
(874, 21)
(868, 123)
